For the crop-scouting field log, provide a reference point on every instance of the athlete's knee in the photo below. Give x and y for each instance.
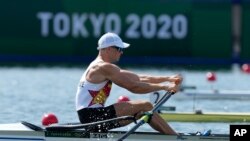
(147, 106)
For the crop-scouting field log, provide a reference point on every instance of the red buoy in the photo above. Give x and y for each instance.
(48, 119)
(246, 68)
(123, 99)
(211, 76)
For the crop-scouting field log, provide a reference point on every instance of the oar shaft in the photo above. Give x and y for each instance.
(141, 122)
(162, 101)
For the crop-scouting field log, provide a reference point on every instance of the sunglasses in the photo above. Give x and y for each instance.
(118, 49)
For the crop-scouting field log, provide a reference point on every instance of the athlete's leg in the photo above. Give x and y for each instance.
(138, 108)
(132, 108)
(159, 124)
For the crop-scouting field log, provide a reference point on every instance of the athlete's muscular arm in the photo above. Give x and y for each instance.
(177, 79)
(131, 82)
(153, 79)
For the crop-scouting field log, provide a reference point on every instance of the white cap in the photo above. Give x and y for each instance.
(111, 39)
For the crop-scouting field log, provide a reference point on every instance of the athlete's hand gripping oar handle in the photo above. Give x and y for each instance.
(146, 117)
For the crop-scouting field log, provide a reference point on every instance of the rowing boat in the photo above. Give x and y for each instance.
(206, 117)
(215, 94)
(24, 131)
(199, 116)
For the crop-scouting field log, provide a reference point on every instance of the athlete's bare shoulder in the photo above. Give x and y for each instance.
(108, 68)
(96, 72)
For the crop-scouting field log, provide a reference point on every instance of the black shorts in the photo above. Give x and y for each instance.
(88, 115)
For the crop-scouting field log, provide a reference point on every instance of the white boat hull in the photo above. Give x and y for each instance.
(215, 94)
(205, 94)
(19, 132)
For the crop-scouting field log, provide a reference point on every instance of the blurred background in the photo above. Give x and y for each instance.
(45, 46)
(160, 32)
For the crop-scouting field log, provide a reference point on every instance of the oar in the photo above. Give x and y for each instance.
(146, 117)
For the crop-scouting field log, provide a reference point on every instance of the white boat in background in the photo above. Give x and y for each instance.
(206, 94)
(215, 94)
(29, 132)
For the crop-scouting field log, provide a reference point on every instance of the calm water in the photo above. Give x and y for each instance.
(28, 93)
